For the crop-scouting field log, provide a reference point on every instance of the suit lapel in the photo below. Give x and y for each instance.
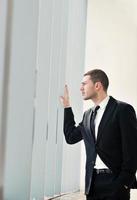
(90, 133)
(106, 116)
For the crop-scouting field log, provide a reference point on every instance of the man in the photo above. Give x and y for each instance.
(109, 131)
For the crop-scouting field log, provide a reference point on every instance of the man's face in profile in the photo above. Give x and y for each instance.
(88, 88)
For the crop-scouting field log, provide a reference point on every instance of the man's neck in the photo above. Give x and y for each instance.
(99, 98)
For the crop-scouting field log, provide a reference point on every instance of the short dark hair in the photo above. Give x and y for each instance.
(99, 75)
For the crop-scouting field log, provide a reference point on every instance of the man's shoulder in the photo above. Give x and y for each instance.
(123, 105)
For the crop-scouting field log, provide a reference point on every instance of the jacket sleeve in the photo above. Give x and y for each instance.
(128, 129)
(72, 133)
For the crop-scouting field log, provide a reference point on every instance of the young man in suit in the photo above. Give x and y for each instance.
(109, 131)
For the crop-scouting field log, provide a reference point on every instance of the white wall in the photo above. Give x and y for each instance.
(111, 45)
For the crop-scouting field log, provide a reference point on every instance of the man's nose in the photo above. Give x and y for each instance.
(81, 88)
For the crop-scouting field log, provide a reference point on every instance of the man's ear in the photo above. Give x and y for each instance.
(98, 85)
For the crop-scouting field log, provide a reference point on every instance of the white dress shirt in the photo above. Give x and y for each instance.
(99, 164)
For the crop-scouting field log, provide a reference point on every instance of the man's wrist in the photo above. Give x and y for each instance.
(68, 106)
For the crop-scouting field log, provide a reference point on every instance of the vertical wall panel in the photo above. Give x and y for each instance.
(41, 100)
(20, 101)
(55, 70)
(4, 67)
(74, 74)
(61, 83)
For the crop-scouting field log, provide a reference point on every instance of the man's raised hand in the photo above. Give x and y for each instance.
(65, 99)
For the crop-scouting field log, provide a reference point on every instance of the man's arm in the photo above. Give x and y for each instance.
(72, 133)
(128, 128)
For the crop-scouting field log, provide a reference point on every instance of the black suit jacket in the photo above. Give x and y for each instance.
(116, 142)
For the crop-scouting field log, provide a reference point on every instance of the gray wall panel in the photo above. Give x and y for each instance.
(41, 100)
(74, 73)
(47, 48)
(20, 102)
(4, 68)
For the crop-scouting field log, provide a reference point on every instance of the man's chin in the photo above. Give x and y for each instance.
(86, 98)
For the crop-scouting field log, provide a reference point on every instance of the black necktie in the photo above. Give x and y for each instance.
(92, 121)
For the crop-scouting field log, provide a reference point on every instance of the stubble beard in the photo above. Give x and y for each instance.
(91, 97)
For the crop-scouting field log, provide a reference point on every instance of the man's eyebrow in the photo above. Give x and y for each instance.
(83, 82)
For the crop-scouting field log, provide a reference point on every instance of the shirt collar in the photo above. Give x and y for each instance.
(103, 103)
